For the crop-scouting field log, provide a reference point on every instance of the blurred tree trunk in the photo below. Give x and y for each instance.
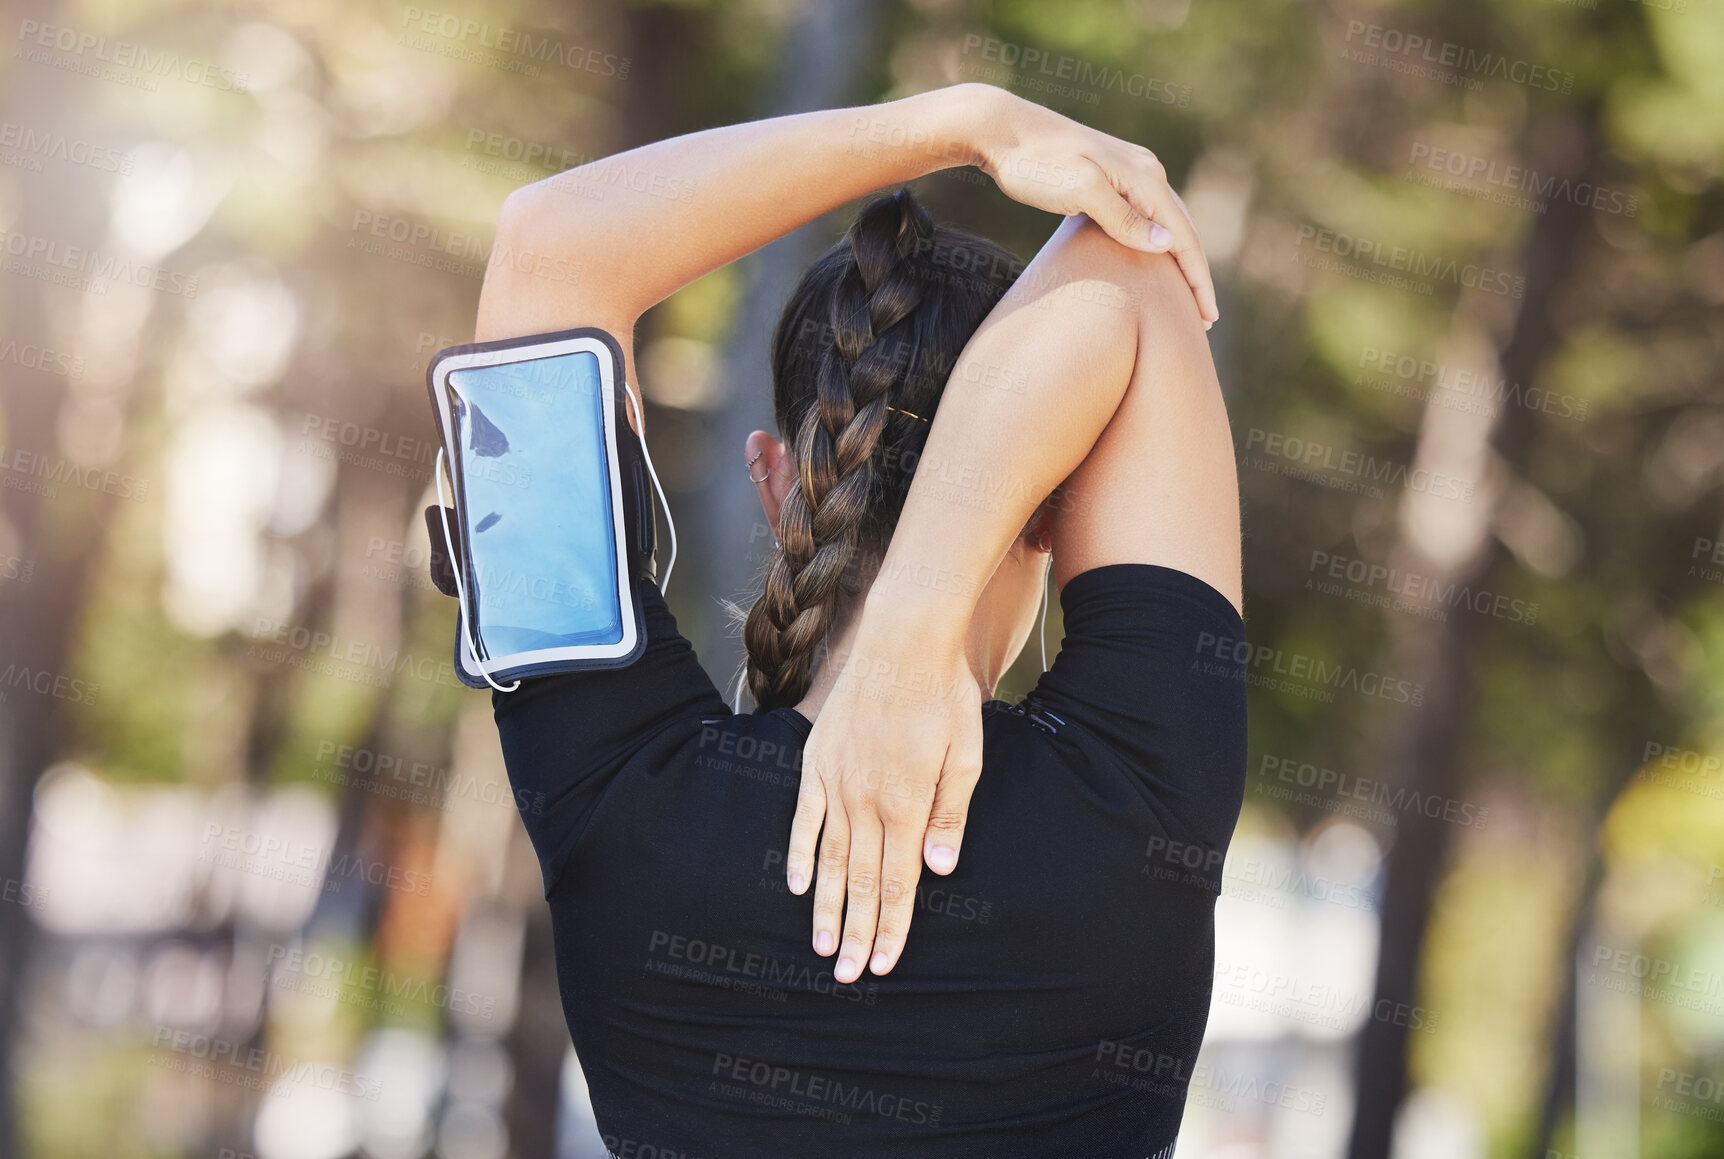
(36, 619)
(536, 1045)
(1439, 655)
(1635, 716)
(34, 625)
(1559, 1083)
(824, 65)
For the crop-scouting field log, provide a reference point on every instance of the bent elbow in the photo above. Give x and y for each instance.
(517, 213)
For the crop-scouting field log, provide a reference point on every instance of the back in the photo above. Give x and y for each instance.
(1054, 989)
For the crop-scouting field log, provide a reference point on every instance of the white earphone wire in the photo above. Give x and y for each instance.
(1047, 577)
(657, 486)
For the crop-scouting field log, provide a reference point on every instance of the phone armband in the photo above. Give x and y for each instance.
(548, 534)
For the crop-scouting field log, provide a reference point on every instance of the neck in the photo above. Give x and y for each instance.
(842, 643)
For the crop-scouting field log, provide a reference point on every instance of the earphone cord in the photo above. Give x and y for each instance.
(1047, 582)
(657, 486)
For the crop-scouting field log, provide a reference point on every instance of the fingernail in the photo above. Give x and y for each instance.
(1160, 235)
(941, 858)
(823, 942)
(879, 964)
(798, 883)
(845, 965)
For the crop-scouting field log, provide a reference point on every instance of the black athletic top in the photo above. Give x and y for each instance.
(1054, 988)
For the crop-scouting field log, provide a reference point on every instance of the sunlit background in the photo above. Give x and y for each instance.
(263, 886)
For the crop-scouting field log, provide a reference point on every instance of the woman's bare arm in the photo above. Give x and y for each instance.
(600, 244)
(1093, 372)
(1109, 389)
(639, 225)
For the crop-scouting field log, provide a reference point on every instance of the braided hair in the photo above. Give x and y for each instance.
(872, 330)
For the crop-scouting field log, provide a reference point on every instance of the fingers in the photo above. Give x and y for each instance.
(945, 835)
(901, 868)
(1130, 198)
(1125, 222)
(829, 881)
(1150, 193)
(805, 829)
(863, 896)
(858, 836)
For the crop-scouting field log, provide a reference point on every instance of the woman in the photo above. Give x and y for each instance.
(947, 419)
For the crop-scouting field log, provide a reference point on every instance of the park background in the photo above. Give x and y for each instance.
(1471, 263)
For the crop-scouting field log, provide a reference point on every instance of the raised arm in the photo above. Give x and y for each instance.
(599, 244)
(1113, 399)
(1120, 409)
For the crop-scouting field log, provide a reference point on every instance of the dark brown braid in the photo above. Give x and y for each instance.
(878, 321)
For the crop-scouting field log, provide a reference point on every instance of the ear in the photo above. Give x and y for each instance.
(773, 473)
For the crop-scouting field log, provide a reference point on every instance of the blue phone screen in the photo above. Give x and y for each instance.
(535, 481)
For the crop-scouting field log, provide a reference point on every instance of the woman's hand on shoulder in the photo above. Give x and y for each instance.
(887, 775)
(1049, 161)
